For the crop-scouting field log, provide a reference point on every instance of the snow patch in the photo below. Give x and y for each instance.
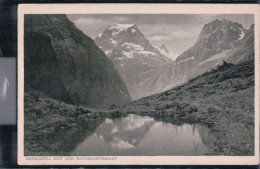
(223, 20)
(145, 52)
(108, 52)
(133, 30)
(99, 35)
(242, 34)
(120, 27)
(132, 46)
(129, 55)
(113, 41)
(146, 64)
(117, 28)
(184, 60)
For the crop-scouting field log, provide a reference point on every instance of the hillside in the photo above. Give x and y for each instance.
(66, 65)
(222, 99)
(60, 126)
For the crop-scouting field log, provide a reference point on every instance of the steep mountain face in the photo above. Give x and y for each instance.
(134, 57)
(215, 41)
(65, 64)
(219, 40)
(244, 49)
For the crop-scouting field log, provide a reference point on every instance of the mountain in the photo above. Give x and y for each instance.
(149, 70)
(221, 99)
(219, 40)
(134, 58)
(164, 51)
(65, 64)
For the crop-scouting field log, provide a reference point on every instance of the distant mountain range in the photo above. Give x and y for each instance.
(65, 64)
(148, 70)
(134, 58)
(120, 65)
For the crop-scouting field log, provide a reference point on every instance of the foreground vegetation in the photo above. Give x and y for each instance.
(222, 99)
(53, 127)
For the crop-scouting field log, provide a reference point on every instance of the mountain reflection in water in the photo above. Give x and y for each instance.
(142, 135)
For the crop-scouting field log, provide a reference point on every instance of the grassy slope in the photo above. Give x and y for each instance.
(222, 99)
(53, 127)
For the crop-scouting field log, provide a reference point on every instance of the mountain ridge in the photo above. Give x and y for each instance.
(218, 40)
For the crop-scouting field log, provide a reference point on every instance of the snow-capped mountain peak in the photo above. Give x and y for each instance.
(115, 29)
(122, 39)
(117, 34)
(215, 37)
(120, 27)
(134, 57)
(223, 29)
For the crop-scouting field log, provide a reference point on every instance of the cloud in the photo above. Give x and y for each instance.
(118, 19)
(177, 31)
(158, 38)
(191, 33)
(88, 21)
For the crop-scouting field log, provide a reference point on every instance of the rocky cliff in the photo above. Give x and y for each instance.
(66, 64)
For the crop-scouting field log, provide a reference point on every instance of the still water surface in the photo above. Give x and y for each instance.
(142, 135)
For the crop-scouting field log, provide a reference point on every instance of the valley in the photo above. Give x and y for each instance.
(117, 91)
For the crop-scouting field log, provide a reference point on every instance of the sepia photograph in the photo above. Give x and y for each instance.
(152, 85)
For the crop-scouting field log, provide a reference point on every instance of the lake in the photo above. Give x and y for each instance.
(136, 135)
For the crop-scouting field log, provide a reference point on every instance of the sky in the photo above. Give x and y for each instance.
(177, 31)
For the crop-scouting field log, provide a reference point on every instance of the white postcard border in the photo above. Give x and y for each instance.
(134, 9)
